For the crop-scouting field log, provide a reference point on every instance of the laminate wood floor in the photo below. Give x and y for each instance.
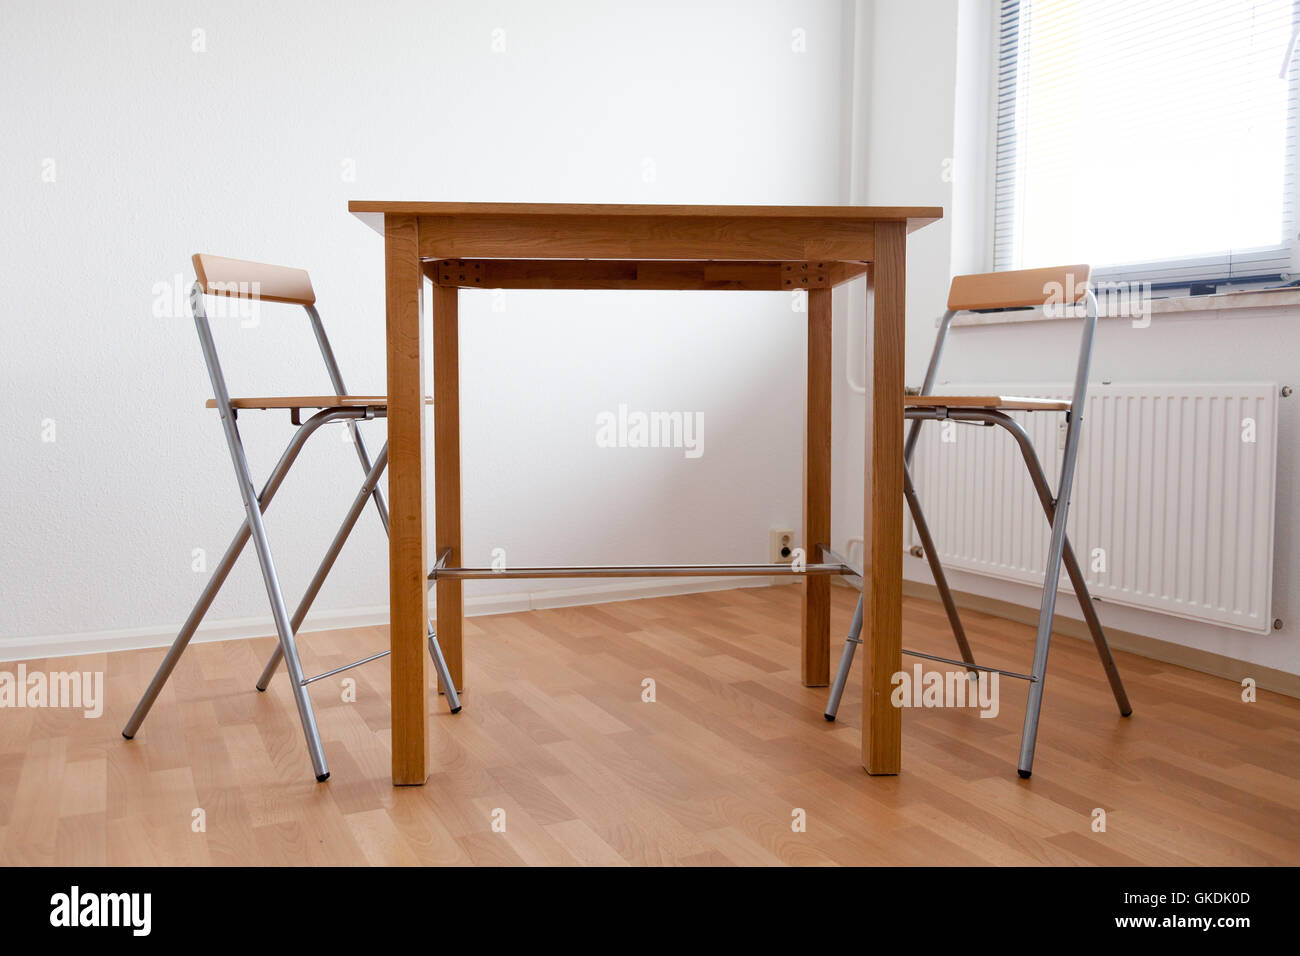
(556, 740)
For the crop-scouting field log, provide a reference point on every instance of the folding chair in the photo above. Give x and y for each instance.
(250, 280)
(993, 292)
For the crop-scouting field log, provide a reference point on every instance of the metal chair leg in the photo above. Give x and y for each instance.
(443, 672)
(936, 569)
(1039, 480)
(327, 562)
(367, 491)
(1094, 628)
(182, 640)
(359, 443)
(222, 571)
(1089, 612)
(945, 594)
(1042, 643)
(1056, 545)
(846, 663)
(263, 548)
(1047, 611)
(276, 597)
(285, 633)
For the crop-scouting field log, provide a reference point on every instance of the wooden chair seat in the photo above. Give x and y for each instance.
(312, 401)
(1005, 402)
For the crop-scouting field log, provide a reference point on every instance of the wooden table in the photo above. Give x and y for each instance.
(551, 246)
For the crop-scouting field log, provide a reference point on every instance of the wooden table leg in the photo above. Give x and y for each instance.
(816, 603)
(408, 564)
(882, 631)
(446, 475)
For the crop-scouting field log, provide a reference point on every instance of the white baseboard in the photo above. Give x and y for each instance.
(128, 639)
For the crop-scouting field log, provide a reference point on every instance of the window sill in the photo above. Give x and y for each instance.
(1224, 302)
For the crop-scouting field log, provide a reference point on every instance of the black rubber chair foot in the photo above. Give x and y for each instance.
(1024, 774)
(261, 690)
(829, 716)
(455, 710)
(127, 736)
(322, 777)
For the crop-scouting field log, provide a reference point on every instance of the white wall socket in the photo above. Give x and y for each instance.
(781, 546)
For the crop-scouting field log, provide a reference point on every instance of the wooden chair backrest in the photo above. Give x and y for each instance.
(218, 275)
(1062, 285)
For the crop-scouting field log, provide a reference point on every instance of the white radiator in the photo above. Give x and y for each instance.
(1173, 501)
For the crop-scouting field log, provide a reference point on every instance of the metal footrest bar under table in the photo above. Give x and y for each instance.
(642, 571)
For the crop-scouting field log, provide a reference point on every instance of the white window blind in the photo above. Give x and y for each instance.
(1155, 139)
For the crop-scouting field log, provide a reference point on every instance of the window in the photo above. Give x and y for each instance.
(1154, 139)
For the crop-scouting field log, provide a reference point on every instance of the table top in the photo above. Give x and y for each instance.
(372, 211)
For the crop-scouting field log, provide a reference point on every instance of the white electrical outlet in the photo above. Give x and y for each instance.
(781, 546)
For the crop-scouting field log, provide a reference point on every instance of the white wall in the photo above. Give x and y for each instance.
(160, 151)
(902, 152)
(930, 87)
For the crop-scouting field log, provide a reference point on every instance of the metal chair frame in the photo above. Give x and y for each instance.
(1059, 551)
(286, 624)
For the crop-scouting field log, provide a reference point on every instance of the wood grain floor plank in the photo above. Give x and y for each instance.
(556, 733)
